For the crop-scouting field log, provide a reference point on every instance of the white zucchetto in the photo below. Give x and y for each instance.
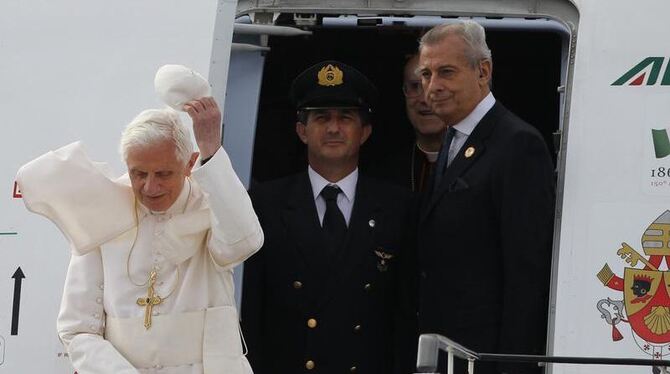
(177, 84)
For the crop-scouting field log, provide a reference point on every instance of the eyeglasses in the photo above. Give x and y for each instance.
(412, 89)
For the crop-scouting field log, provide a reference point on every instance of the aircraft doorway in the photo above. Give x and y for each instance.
(528, 67)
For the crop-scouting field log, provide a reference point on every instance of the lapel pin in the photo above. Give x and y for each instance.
(372, 223)
(382, 265)
(469, 152)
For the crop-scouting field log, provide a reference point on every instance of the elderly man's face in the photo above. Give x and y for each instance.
(157, 175)
(424, 121)
(452, 86)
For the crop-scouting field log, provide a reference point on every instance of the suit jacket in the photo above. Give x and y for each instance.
(484, 242)
(350, 312)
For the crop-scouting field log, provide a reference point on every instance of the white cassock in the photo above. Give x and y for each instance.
(193, 248)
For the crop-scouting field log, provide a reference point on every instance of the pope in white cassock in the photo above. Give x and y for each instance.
(149, 287)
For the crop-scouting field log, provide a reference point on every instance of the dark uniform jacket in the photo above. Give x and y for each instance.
(484, 242)
(306, 311)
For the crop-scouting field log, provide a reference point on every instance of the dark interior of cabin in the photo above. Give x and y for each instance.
(526, 74)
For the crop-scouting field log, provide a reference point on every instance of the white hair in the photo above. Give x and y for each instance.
(470, 31)
(153, 126)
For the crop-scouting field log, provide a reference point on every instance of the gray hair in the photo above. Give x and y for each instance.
(471, 32)
(153, 126)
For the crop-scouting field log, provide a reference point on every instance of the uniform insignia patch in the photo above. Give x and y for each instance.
(330, 75)
(383, 257)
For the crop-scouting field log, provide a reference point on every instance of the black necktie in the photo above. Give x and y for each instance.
(334, 225)
(443, 158)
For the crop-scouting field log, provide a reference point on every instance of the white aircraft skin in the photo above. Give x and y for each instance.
(72, 70)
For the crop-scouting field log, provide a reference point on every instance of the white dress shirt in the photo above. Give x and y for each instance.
(468, 124)
(345, 200)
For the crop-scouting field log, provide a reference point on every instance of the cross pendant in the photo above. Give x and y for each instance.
(149, 301)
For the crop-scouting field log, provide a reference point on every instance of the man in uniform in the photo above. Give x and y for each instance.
(149, 286)
(330, 290)
(485, 230)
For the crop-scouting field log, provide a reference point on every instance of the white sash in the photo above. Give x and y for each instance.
(210, 337)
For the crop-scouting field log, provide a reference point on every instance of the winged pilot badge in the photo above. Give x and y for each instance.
(382, 265)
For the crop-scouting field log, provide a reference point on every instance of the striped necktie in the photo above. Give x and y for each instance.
(442, 159)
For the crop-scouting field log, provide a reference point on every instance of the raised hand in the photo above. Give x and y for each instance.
(206, 118)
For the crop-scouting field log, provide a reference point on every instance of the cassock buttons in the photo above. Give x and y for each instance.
(297, 285)
(372, 223)
(353, 369)
(367, 287)
(309, 365)
(311, 323)
(357, 328)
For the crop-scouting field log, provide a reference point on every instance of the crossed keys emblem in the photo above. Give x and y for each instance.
(631, 256)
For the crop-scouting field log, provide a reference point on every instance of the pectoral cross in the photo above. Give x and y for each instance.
(149, 301)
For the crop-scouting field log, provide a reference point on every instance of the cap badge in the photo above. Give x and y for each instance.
(330, 75)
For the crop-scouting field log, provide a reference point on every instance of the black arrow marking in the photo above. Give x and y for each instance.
(18, 278)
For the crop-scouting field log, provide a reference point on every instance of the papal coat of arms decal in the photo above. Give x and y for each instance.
(646, 291)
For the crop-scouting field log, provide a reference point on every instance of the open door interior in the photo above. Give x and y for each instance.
(529, 64)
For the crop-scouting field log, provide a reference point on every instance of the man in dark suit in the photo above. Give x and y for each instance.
(330, 291)
(485, 229)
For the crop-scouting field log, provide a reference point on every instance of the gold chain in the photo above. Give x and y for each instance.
(153, 274)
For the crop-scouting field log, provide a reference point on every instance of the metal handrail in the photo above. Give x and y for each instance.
(431, 344)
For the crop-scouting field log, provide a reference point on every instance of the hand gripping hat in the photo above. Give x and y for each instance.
(332, 84)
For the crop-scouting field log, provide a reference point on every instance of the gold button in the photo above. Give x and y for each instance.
(367, 287)
(309, 365)
(311, 323)
(297, 285)
(353, 369)
(357, 328)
